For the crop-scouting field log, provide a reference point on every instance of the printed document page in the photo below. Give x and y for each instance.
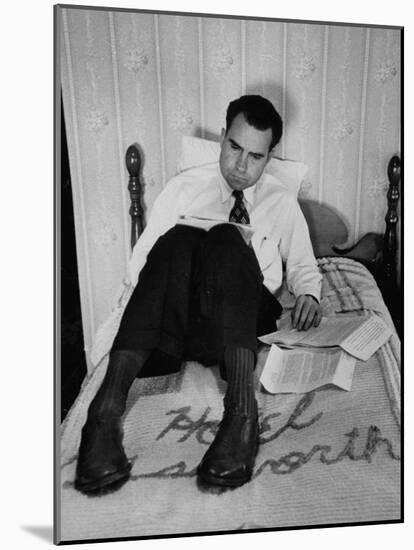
(364, 342)
(301, 371)
(359, 336)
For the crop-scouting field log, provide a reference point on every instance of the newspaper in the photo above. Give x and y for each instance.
(359, 336)
(301, 371)
(246, 230)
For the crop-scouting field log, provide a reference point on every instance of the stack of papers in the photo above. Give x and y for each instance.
(359, 336)
(301, 361)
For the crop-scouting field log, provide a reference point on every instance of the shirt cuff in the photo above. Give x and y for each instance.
(312, 296)
(313, 291)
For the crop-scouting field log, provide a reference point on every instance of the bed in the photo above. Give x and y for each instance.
(326, 457)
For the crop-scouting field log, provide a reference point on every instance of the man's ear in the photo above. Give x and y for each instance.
(222, 136)
(270, 154)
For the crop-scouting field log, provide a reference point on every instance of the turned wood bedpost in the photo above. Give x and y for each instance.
(391, 219)
(133, 163)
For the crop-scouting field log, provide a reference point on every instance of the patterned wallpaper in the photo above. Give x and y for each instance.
(149, 79)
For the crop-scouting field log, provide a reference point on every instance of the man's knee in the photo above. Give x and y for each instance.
(177, 239)
(225, 234)
(226, 244)
(182, 233)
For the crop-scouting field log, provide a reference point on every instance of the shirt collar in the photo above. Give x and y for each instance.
(226, 190)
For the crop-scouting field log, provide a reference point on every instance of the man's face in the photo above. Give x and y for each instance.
(244, 153)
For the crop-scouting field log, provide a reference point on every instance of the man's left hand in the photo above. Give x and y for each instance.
(306, 312)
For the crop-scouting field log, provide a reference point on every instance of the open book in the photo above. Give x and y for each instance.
(207, 223)
(358, 336)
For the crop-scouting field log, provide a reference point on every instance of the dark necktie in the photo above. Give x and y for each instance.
(239, 213)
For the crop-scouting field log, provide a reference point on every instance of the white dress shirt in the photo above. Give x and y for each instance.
(281, 235)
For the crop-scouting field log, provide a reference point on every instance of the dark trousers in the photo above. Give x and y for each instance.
(198, 292)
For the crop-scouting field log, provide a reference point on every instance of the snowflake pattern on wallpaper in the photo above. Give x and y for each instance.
(342, 130)
(104, 234)
(148, 178)
(385, 72)
(378, 187)
(97, 120)
(305, 190)
(136, 60)
(305, 125)
(222, 59)
(181, 119)
(305, 67)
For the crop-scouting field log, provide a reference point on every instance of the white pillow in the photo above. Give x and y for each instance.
(197, 152)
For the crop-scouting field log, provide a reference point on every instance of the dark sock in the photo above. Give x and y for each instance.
(239, 364)
(123, 367)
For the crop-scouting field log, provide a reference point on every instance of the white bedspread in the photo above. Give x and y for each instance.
(329, 456)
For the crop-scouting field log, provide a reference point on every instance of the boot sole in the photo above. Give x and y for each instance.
(209, 479)
(96, 485)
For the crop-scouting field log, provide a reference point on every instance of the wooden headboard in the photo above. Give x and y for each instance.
(329, 234)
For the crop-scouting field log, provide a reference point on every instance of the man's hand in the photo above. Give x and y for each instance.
(307, 312)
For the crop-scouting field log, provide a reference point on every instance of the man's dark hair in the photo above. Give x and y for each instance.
(259, 113)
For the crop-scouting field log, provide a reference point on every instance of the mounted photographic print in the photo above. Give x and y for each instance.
(229, 274)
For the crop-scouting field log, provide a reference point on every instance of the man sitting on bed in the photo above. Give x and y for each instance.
(207, 295)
